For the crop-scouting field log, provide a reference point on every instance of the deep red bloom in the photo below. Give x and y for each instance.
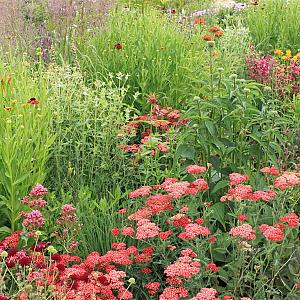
(115, 231)
(118, 46)
(146, 270)
(103, 280)
(242, 218)
(33, 101)
(25, 261)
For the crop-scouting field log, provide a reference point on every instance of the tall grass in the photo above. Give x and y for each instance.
(25, 137)
(158, 55)
(275, 24)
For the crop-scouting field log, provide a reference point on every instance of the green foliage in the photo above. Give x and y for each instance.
(275, 24)
(158, 55)
(86, 121)
(239, 126)
(25, 138)
(186, 5)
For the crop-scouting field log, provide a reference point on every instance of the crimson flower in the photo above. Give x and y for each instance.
(33, 101)
(118, 46)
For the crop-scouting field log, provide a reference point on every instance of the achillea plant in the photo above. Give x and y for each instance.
(181, 249)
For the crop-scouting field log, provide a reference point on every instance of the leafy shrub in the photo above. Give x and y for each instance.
(86, 121)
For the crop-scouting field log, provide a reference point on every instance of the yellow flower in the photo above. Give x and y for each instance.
(288, 53)
(278, 52)
(294, 59)
(284, 57)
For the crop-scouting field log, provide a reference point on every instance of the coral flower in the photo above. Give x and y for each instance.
(199, 21)
(218, 33)
(206, 37)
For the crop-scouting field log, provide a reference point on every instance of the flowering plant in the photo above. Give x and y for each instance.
(151, 139)
(185, 246)
(280, 71)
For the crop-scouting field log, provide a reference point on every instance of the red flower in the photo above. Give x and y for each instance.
(173, 11)
(199, 21)
(118, 46)
(218, 33)
(215, 29)
(146, 270)
(206, 37)
(212, 239)
(115, 231)
(22, 296)
(33, 101)
(242, 218)
(103, 280)
(212, 267)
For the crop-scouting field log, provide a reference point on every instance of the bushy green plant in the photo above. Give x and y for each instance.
(275, 24)
(86, 121)
(25, 137)
(239, 125)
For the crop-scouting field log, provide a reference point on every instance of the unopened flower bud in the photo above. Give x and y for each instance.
(131, 280)
(52, 250)
(4, 254)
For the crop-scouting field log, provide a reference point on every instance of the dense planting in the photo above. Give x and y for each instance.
(149, 150)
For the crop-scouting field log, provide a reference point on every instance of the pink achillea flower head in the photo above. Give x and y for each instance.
(286, 180)
(240, 192)
(271, 233)
(206, 294)
(38, 191)
(244, 231)
(195, 169)
(146, 229)
(188, 252)
(184, 267)
(128, 231)
(152, 287)
(193, 230)
(270, 170)
(140, 192)
(291, 219)
(265, 196)
(173, 293)
(67, 214)
(237, 178)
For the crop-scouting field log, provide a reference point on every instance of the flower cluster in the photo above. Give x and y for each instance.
(282, 72)
(175, 242)
(151, 133)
